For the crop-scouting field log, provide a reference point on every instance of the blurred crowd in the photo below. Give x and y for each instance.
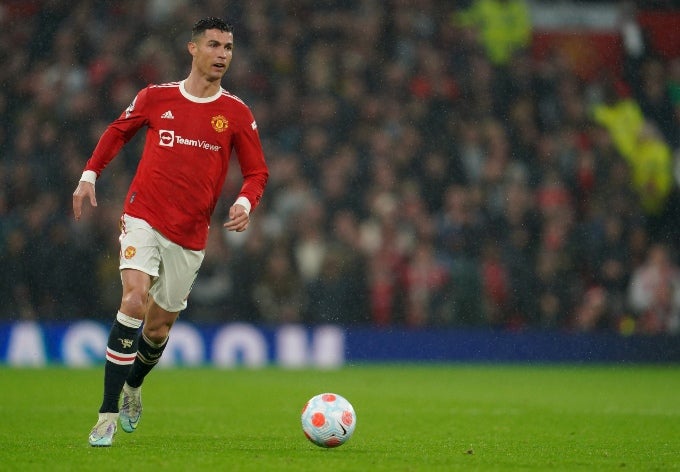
(426, 169)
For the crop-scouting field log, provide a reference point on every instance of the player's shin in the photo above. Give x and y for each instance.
(148, 355)
(121, 351)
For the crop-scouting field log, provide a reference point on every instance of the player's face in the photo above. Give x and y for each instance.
(212, 53)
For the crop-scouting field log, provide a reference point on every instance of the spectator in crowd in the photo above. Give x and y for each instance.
(425, 279)
(279, 294)
(654, 292)
(213, 289)
(340, 292)
(608, 262)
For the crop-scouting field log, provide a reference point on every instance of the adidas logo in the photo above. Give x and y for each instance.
(168, 115)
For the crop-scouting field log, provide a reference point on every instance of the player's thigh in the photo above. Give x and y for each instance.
(177, 273)
(139, 247)
(135, 284)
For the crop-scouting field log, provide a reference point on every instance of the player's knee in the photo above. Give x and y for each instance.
(158, 324)
(157, 333)
(134, 304)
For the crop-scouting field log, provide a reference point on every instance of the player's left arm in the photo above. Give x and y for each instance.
(255, 175)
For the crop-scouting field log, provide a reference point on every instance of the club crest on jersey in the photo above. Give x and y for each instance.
(219, 123)
(130, 252)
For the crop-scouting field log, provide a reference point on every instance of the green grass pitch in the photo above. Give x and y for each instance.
(441, 417)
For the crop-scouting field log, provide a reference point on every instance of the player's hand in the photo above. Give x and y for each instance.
(84, 190)
(238, 218)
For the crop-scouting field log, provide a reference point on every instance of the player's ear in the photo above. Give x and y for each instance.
(191, 47)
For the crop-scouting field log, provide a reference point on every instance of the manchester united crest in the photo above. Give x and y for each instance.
(219, 123)
(130, 252)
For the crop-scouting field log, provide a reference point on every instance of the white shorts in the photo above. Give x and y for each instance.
(173, 269)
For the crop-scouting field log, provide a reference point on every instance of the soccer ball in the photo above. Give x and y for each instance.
(328, 420)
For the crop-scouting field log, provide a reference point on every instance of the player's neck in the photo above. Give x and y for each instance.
(201, 88)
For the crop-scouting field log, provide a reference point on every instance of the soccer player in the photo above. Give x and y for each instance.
(192, 127)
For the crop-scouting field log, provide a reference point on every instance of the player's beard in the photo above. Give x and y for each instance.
(215, 75)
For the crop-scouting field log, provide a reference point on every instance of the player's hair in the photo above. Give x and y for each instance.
(210, 23)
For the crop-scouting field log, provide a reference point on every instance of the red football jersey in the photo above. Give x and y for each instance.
(185, 161)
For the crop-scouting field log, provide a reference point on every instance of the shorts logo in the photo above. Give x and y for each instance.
(166, 137)
(219, 123)
(130, 252)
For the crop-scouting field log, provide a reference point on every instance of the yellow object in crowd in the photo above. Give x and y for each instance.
(503, 26)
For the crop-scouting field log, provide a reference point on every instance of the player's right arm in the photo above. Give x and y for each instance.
(112, 140)
(84, 190)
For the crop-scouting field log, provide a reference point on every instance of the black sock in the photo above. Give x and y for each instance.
(148, 355)
(121, 351)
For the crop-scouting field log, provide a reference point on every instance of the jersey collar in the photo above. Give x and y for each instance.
(188, 96)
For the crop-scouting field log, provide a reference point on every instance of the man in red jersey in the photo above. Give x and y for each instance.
(192, 127)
